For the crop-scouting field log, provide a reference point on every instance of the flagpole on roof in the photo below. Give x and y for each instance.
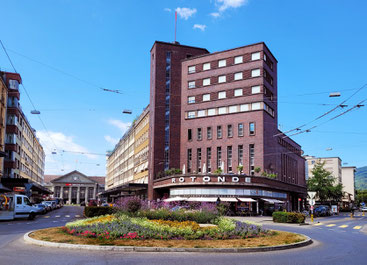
(175, 24)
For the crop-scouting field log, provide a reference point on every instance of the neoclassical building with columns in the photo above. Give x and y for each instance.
(75, 187)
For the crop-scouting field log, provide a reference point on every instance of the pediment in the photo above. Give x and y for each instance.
(74, 177)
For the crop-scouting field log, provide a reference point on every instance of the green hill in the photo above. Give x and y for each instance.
(360, 180)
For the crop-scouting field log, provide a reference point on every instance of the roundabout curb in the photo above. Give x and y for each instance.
(37, 242)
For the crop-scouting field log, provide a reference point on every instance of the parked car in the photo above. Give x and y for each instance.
(41, 208)
(322, 210)
(52, 204)
(47, 206)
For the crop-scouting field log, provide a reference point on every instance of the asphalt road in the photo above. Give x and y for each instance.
(338, 240)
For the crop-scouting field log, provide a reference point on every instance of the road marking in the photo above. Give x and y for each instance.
(46, 216)
(357, 227)
(330, 225)
(57, 216)
(54, 221)
(319, 224)
(343, 226)
(67, 215)
(77, 215)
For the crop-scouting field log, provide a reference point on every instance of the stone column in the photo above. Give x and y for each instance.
(257, 207)
(70, 189)
(78, 196)
(94, 192)
(86, 195)
(62, 192)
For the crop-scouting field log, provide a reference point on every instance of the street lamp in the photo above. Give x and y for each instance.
(35, 111)
(127, 111)
(334, 94)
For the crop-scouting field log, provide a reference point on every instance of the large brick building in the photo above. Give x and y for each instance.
(218, 113)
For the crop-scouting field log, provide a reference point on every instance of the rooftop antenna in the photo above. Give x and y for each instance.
(175, 24)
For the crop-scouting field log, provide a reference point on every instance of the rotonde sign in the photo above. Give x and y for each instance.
(208, 179)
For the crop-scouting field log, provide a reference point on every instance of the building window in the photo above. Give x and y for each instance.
(255, 89)
(255, 106)
(238, 92)
(244, 107)
(219, 132)
(219, 157)
(192, 84)
(189, 160)
(199, 134)
(192, 69)
(230, 130)
(209, 133)
(229, 158)
(198, 159)
(206, 66)
(222, 79)
(211, 112)
(238, 76)
(208, 159)
(238, 59)
(191, 100)
(191, 114)
(240, 129)
(255, 73)
(222, 63)
(206, 82)
(189, 134)
(222, 95)
(201, 113)
(252, 159)
(222, 110)
(252, 128)
(232, 109)
(255, 56)
(240, 155)
(206, 97)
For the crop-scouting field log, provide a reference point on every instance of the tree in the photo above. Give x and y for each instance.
(322, 182)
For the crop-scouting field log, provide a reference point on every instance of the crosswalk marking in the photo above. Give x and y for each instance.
(319, 224)
(357, 227)
(330, 225)
(67, 215)
(46, 216)
(57, 216)
(77, 215)
(343, 226)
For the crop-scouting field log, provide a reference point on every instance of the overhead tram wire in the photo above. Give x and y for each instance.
(341, 105)
(30, 100)
(68, 74)
(360, 104)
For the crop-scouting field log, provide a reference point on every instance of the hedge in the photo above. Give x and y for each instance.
(288, 217)
(91, 211)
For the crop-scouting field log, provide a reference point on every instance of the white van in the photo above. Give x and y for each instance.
(16, 206)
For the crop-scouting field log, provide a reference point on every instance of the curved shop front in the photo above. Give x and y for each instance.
(246, 195)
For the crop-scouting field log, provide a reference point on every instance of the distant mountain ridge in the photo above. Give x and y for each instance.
(360, 180)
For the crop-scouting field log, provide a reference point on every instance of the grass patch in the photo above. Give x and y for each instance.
(274, 239)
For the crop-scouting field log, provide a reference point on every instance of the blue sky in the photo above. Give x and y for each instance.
(320, 47)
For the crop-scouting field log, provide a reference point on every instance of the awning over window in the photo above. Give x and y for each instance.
(228, 199)
(246, 200)
(175, 199)
(272, 201)
(202, 199)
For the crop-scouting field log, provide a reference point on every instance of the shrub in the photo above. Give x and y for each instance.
(223, 208)
(91, 211)
(131, 204)
(288, 217)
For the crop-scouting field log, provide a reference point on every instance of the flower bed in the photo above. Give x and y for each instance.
(138, 228)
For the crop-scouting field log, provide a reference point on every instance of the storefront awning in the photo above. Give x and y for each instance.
(175, 199)
(228, 199)
(202, 199)
(246, 200)
(272, 201)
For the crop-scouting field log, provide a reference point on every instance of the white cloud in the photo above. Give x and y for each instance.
(52, 140)
(111, 140)
(198, 26)
(185, 12)
(215, 14)
(123, 126)
(225, 4)
(168, 9)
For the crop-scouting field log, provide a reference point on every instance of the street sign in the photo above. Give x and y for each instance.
(311, 194)
(312, 202)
